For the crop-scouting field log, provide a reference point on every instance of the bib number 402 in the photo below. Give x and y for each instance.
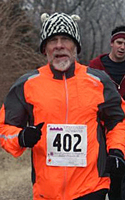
(67, 142)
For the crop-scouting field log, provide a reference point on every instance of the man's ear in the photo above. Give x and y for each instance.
(44, 52)
(111, 44)
(44, 49)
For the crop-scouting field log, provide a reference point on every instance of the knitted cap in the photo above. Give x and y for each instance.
(59, 24)
(120, 34)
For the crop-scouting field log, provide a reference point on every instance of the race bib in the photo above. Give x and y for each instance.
(66, 145)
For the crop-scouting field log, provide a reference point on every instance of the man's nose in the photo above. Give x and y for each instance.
(123, 45)
(59, 43)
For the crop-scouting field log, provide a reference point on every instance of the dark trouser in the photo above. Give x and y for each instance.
(115, 188)
(98, 195)
(123, 189)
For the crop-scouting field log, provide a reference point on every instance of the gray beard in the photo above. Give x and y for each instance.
(62, 66)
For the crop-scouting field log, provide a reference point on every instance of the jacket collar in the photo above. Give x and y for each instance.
(59, 75)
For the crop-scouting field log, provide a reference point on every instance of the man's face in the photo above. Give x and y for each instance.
(61, 52)
(118, 50)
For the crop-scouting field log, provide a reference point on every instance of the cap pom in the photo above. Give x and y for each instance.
(44, 17)
(75, 17)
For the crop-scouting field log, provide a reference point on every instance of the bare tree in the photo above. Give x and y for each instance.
(98, 18)
(17, 51)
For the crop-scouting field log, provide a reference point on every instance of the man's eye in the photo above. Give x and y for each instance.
(119, 43)
(51, 40)
(66, 38)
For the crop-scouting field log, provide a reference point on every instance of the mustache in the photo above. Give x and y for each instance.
(61, 53)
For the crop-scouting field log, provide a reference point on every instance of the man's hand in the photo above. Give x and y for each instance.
(115, 164)
(30, 135)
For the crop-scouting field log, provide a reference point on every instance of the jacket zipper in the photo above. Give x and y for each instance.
(66, 121)
(66, 89)
(119, 85)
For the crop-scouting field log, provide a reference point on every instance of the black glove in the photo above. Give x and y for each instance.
(116, 167)
(30, 135)
(115, 164)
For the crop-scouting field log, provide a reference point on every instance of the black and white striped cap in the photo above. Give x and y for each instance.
(58, 24)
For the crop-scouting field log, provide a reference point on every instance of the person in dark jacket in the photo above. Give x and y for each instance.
(113, 63)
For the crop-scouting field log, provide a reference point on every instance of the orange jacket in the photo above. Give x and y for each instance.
(80, 96)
